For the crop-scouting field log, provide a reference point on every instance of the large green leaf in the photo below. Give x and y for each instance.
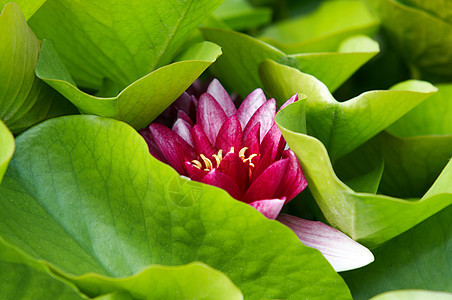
(143, 100)
(413, 295)
(23, 278)
(24, 99)
(28, 7)
(369, 218)
(242, 54)
(424, 38)
(343, 126)
(419, 258)
(322, 30)
(6, 148)
(118, 41)
(90, 198)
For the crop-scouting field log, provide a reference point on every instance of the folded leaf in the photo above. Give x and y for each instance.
(27, 7)
(413, 295)
(24, 99)
(101, 203)
(140, 102)
(343, 126)
(240, 14)
(6, 148)
(369, 219)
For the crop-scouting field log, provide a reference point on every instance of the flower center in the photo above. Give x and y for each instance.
(206, 164)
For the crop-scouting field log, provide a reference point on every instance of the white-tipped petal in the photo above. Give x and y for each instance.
(269, 207)
(340, 251)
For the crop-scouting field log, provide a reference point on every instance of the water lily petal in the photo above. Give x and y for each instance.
(175, 150)
(230, 135)
(153, 149)
(291, 100)
(183, 129)
(201, 142)
(294, 181)
(182, 115)
(252, 139)
(342, 252)
(210, 116)
(269, 207)
(193, 172)
(219, 93)
(188, 104)
(222, 181)
(250, 105)
(266, 185)
(265, 115)
(234, 166)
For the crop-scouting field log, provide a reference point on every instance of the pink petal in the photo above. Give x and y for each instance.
(201, 142)
(187, 104)
(252, 139)
(230, 135)
(175, 150)
(291, 100)
(153, 149)
(210, 116)
(266, 185)
(233, 166)
(182, 115)
(265, 115)
(250, 105)
(193, 172)
(294, 181)
(222, 181)
(269, 207)
(183, 129)
(342, 252)
(219, 93)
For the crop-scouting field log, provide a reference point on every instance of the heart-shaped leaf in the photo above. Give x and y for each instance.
(24, 99)
(322, 30)
(419, 258)
(144, 99)
(343, 126)
(118, 42)
(90, 198)
(368, 218)
(6, 148)
(242, 55)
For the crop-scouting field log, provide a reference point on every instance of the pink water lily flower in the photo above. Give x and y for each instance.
(242, 151)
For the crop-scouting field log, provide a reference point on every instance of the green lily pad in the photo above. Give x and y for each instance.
(90, 198)
(322, 30)
(24, 99)
(240, 14)
(23, 278)
(419, 258)
(424, 38)
(27, 7)
(6, 148)
(143, 100)
(371, 219)
(118, 42)
(242, 55)
(343, 126)
(413, 295)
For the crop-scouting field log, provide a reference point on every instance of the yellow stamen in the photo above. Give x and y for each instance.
(207, 162)
(242, 152)
(232, 150)
(197, 164)
(218, 159)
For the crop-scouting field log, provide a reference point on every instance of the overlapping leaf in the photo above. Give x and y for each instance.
(90, 198)
(240, 14)
(117, 43)
(6, 148)
(27, 7)
(369, 218)
(24, 99)
(324, 29)
(144, 99)
(413, 295)
(343, 126)
(242, 54)
(419, 258)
